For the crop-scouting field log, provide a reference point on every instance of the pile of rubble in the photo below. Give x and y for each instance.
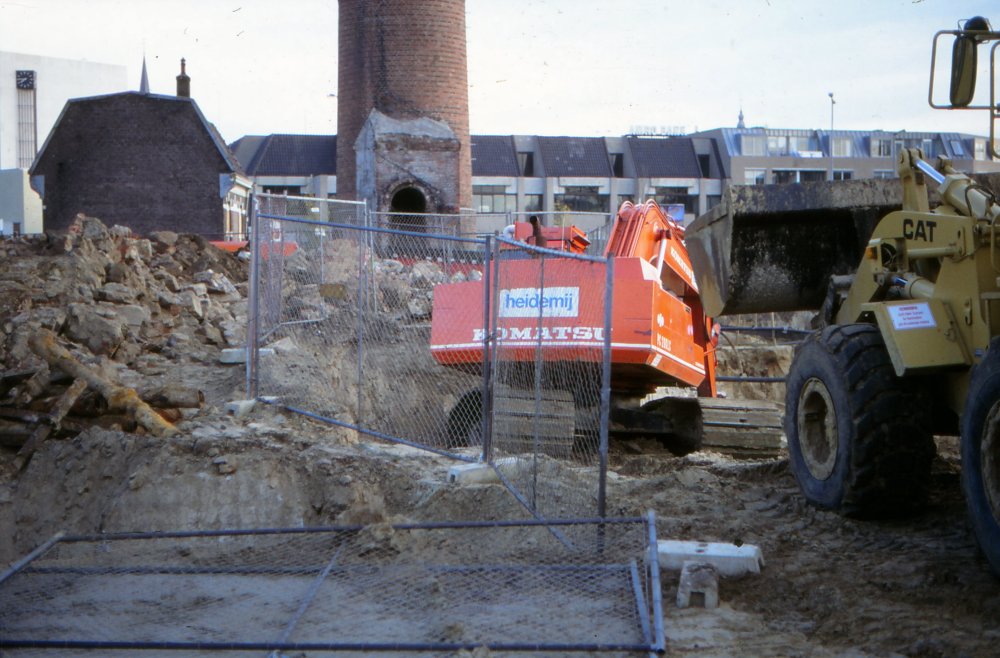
(404, 287)
(412, 286)
(84, 309)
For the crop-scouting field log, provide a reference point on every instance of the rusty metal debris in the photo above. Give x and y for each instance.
(119, 398)
(50, 422)
(38, 404)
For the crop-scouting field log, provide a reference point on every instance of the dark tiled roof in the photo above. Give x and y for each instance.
(494, 155)
(668, 157)
(155, 104)
(288, 155)
(575, 156)
(245, 147)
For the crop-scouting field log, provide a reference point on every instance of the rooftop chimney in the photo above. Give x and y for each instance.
(183, 83)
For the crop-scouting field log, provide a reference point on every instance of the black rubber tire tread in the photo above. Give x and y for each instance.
(984, 392)
(884, 442)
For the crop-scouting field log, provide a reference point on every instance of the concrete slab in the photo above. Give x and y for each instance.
(239, 354)
(729, 559)
(478, 473)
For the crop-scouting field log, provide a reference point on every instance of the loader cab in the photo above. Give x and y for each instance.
(974, 32)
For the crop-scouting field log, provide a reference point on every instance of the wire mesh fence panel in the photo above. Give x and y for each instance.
(346, 324)
(388, 589)
(599, 236)
(473, 225)
(386, 330)
(585, 221)
(303, 274)
(548, 366)
(417, 285)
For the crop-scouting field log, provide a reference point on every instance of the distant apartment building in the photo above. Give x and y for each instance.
(761, 156)
(525, 173)
(571, 176)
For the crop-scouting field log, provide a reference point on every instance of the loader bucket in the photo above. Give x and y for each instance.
(770, 248)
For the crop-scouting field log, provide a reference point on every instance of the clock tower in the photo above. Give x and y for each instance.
(27, 118)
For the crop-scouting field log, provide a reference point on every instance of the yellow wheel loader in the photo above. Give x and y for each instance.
(909, 318)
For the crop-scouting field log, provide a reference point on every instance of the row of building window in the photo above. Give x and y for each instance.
(843, 147)
(887, 148)
(493, 198)
(759, 176)
(761, 145)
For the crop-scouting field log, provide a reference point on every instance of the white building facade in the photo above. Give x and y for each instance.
(33, 91)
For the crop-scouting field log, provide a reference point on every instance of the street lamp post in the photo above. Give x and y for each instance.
(832, 103)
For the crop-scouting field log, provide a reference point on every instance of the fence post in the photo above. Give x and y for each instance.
(448, 254)
(495, 337)
(486, 406)
(254, 293)
(538, 383)
(362, 295)
(602, 485)
(322, 234)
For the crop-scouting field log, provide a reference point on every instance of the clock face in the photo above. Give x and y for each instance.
(25, 79)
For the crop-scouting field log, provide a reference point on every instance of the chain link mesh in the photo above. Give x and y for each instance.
(585, 221)
(382, 588)
(382, 329)
(548, 367)
(341, 328)
(346, 321)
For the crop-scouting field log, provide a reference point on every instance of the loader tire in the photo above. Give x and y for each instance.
(981, 453)
(858, 442)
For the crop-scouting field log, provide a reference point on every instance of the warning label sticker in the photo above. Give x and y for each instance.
(911, 316)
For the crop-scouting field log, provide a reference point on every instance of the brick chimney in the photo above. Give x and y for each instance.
(183, 83)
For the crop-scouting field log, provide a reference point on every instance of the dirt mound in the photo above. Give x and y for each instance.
(152, 314)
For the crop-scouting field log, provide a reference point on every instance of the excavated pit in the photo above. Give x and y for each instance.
(831, 586)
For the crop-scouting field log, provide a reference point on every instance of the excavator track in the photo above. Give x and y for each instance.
(748, 429)
(745, 429)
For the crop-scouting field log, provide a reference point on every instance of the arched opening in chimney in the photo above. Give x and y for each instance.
(410, 203)
(408, 200)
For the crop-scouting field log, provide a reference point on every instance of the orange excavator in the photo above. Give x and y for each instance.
(660, 335)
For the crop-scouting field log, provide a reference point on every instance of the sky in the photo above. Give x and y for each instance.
(543, 67)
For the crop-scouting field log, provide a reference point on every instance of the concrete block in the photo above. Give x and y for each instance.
(478, 473)
(240, 408)
(699, 586)
(728, 559)
(239, 354)
(233, 355)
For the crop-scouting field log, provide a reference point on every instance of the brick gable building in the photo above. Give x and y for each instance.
(144, 161)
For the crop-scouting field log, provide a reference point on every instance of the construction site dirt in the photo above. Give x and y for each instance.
(152, 315)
